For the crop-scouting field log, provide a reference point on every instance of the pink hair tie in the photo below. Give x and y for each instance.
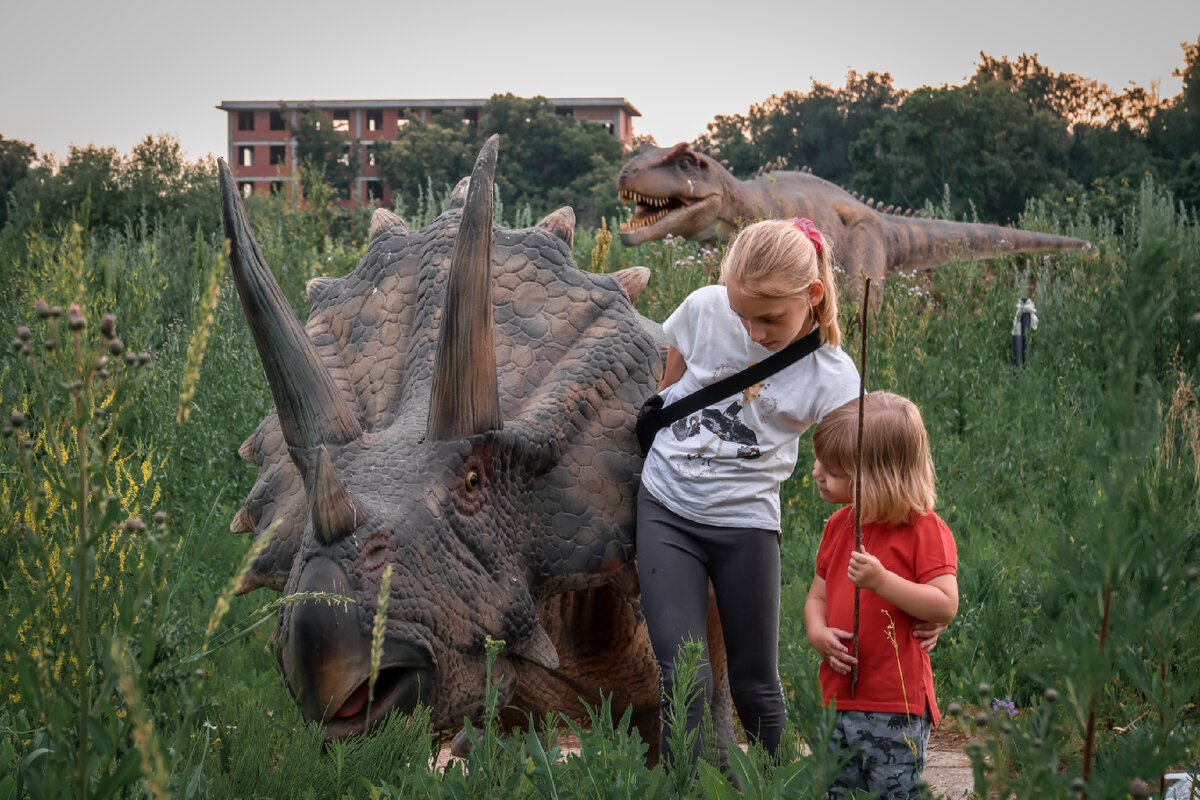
(809, 229)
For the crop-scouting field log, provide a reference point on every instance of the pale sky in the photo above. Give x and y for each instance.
(114, 71)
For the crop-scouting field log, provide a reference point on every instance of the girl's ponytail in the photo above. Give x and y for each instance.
(826, 311)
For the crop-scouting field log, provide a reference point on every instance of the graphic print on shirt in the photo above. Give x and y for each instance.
(725, 426)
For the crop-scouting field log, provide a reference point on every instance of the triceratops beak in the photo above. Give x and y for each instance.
(465, 398)
(311, 408)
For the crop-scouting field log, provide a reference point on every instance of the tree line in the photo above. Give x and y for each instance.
(1014, 131)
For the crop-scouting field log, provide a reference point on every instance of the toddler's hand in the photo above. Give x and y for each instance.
(865, 570)
(829, 644)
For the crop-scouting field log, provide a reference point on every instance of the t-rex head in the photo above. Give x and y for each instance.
(459, 408)
(677, 191)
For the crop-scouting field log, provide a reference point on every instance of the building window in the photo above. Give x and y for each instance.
(245, 120)
(246, 156)
(374, 190)
(341, 121)
(375, 120)
(278, 154)
(370, 156)
(344, 158)
(246, 188)
(277, 123)
(276, 187)
(400, 123)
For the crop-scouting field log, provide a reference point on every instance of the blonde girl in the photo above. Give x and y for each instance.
(708, 508)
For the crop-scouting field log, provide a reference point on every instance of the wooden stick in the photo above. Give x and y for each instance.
(862, 391)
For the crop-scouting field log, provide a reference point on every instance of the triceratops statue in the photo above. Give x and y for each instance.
(461, 408)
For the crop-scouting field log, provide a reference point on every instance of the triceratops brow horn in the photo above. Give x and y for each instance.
(465, 398)
(311, 408)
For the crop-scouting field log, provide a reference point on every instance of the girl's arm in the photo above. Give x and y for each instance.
(826, 640)
(674, 368)
(936, 601)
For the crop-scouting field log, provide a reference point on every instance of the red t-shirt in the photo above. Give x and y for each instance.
(891, 678)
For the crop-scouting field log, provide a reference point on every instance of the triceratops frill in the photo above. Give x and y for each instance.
(459, 407)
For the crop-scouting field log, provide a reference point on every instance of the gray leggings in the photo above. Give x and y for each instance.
(676, 559)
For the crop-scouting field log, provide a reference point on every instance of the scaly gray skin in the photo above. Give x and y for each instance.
(460, 409)
(686, 193)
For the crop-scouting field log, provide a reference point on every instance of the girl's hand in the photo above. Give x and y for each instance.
(831, 647)
(927, 634)
(865, 570)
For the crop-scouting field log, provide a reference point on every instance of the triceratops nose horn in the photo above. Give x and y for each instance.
(335, 514)
(311, 408)
(465, 398)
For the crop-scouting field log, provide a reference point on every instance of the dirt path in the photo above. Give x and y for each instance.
(948, 769)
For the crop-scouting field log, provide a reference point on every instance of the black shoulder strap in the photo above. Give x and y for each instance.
(740, 380)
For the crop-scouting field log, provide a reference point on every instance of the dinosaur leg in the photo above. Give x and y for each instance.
(865, 256)
(722, 701)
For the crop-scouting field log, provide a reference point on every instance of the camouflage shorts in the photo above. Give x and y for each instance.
(886, 752)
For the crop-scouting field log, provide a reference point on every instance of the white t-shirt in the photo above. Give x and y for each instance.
(724, 465)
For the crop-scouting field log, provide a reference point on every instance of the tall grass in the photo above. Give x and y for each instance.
(1070, 484)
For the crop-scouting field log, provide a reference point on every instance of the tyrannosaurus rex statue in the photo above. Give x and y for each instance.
(686, 193)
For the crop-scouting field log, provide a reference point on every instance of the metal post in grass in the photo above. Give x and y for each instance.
(862, 391)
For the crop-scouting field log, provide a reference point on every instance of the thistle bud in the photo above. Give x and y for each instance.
(75, 319)
(1079, 785)
(1138, 788)
(17, 344)
(108, 325)
(116, 346)
(984, 689)
(981, 719)
(56, 311)
(41, 308)
(23, 333)
(130, 359)
(135, 525)
(1051, 696)
(954, 710)
(49, 344)
(17, 419)
(160, 518)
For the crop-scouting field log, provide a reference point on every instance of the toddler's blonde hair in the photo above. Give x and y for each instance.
(897, 468)
(774, 258)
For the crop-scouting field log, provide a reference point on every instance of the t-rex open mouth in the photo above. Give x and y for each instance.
(649, 209)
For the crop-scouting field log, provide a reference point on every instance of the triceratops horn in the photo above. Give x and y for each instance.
(335, 515)
(311, 407)
(465, 398)
(561, 223)
(383, 220)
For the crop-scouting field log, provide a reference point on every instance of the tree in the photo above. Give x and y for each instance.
(795, 129)
(320, 150)
(551, 159)
(984, 140)
(1173, 133)
(16, 158)
(547, 159)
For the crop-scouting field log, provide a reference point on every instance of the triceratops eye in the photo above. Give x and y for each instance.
(470, 487)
